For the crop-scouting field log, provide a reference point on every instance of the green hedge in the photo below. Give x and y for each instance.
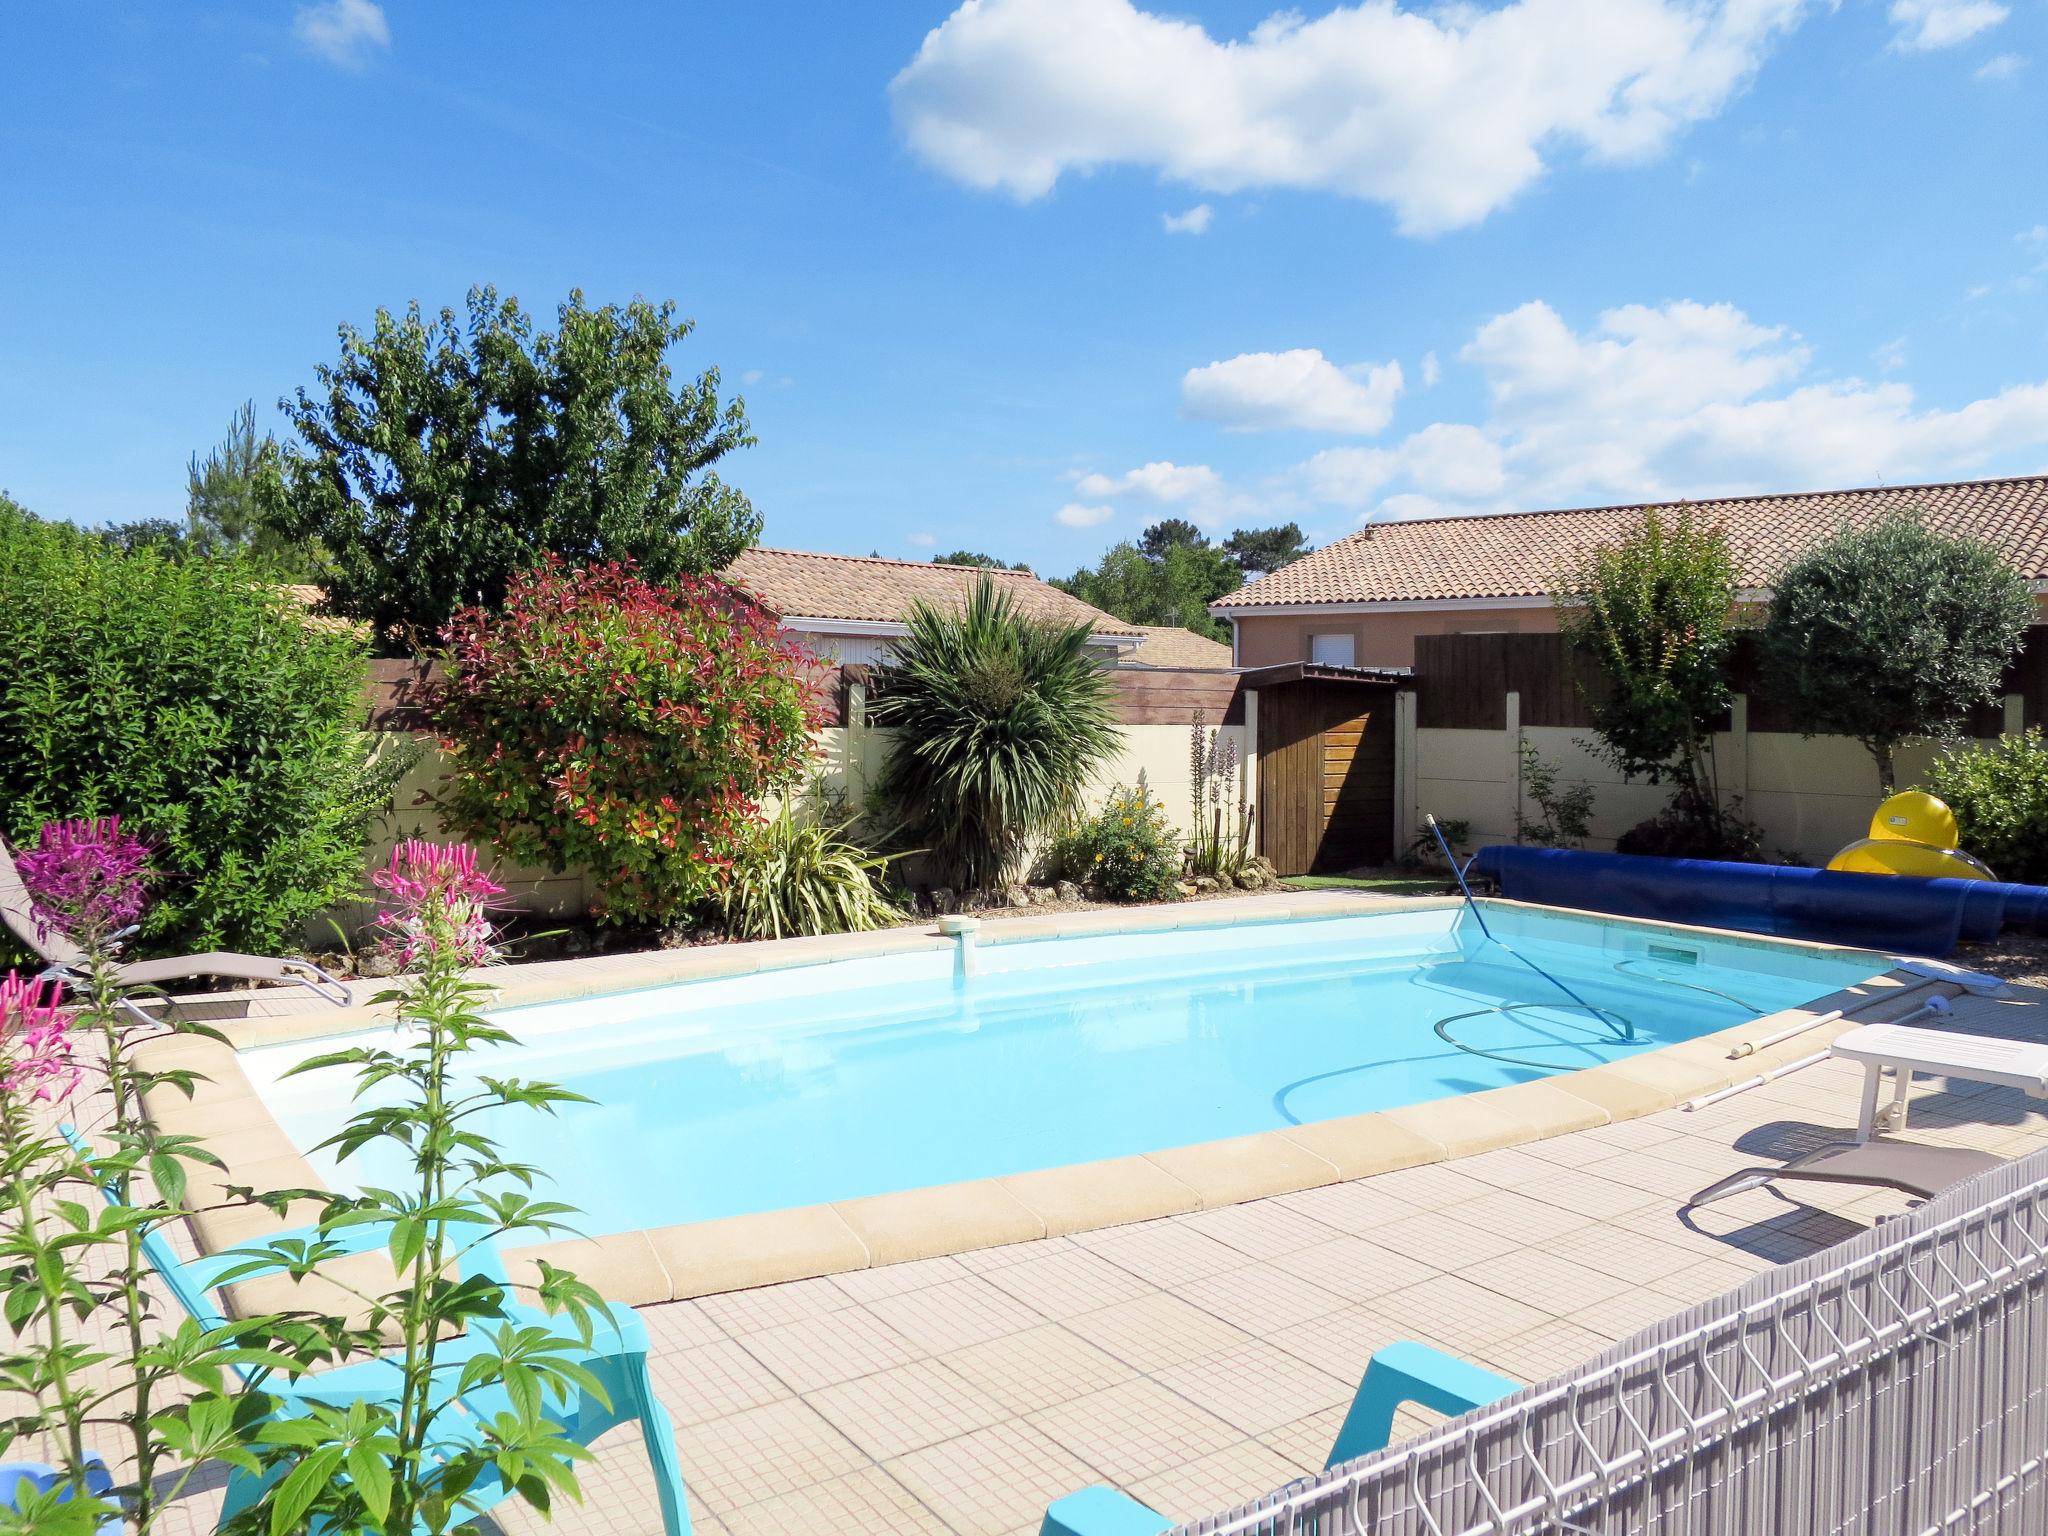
(196, 702)
(2000, 797)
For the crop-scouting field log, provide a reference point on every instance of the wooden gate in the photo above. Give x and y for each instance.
(1326, 774)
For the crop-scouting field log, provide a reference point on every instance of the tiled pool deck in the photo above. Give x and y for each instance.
(1199, 1360)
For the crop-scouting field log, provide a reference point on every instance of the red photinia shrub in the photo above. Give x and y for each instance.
(605, 723)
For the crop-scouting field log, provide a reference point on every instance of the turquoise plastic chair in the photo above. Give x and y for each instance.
(1401, 1373)
(616, 1356)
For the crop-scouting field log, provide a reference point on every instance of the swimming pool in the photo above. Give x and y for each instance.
(859, 1077)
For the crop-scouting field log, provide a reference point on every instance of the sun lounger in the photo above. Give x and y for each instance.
(1906, 1166)
(1401, 1373)
(1939, 1053)
(64, 958)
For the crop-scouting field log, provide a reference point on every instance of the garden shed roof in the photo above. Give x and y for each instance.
(1169, 645)
(1517, 554)
(867, 589)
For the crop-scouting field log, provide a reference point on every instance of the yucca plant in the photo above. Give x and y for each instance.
(798, 875)
(1000, 720)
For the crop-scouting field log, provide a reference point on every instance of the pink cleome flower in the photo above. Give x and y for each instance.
(86, 879)
(35, 1040)
(440, 901)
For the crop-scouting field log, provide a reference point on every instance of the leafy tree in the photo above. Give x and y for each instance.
(1893, 631)
(225, 496)
(1999, 793)
(1170, 576)
(443, 455)
(161, 534)
(985, 562)
(1655, 608)
(1171, 533)
(1000, 721)
(1259, 551)
(192, 700)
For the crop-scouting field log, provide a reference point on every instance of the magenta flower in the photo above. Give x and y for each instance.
(35, 1040)
(440, 901)
(85, 879)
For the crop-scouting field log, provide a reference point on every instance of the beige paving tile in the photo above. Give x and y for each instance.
(1622, 1252)
(1216, 1482)
(1455, 1314)
(1258, 1386)
(1038, 1367)
(768, 1306)
(1134, 1429)
(895, 1279)
(1549, 1281)
(1359, 1208)
(866, 1501)
(1260, 1229)
(762, 1453)
(906, 1408)
(1527, 1221)
(982, 1260)
(1155, 1332)
(710, 1381)
(993, 1480)
(825, 1351)
(1432, 1186)
(1627, 1312)
(1340, 1343)
(1444, 1240)
(1163, 1253)
(1541, 1352)
(679, 1325)
(1306, 1442)
(1505, 1168)
(1260, 1297)
(1354, 1268)
(1064, 1284)
(955, 1313)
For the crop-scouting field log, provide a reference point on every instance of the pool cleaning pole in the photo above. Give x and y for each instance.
(1429, 820)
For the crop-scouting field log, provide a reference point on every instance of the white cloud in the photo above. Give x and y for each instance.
(1443, 115)
(1890, 357)
(919, 540)
(1922, 25)
(1075, 515)
(2001, 66)
(1678, 400)
(1432, 370)
(2037, 235)
(1262, 391)
(1162, 481)
(1194, 222)
(344, 32)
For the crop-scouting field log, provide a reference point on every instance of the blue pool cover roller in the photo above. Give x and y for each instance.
(1901, 913)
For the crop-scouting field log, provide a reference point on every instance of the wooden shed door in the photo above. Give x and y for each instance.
(1326, 776)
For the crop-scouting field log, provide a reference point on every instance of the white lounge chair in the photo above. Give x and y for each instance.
(1905, 1051)
(65, 959)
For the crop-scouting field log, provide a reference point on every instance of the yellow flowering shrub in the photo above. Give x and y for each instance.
(1127, 850)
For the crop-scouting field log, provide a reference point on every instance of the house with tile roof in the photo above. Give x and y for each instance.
(1363, 600)
(851, 608)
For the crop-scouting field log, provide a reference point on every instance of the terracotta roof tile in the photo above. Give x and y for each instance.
(795, 583)
(1517, 554)
(1169, 645)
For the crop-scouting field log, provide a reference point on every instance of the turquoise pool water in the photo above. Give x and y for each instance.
(861, 1077)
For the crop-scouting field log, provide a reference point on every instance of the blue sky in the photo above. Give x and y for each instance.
(1551, 252)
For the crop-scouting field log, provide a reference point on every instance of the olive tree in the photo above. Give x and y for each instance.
(443, 455)
(1655, 608)
(1893, 631)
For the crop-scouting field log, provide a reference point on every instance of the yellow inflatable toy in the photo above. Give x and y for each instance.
(1912, 834)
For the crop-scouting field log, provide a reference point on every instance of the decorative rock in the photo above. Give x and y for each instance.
(1039, 894)
(1066, 890)
(1017, 896)
(1206, 885)
(1185, 888)
(376, 963)
(944, 900)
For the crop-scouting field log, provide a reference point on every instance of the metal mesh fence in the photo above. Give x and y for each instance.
(1892, 1386)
